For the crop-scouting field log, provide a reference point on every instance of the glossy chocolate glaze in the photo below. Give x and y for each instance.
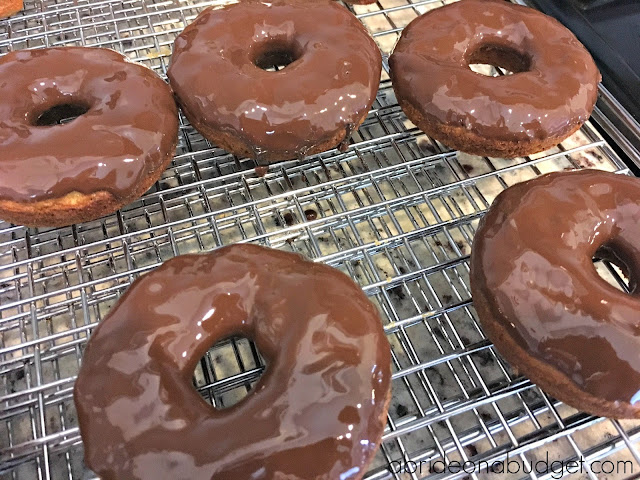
(130, 126)
(330, 86)
(532, 263)
(555, 85)
(316, 413)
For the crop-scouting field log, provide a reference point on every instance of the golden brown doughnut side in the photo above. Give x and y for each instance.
(75, 207)
(460, 138)
(552, 381)
(540, 299)
(10, 7)
(237, 146)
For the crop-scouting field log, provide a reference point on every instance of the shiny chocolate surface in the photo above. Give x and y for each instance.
(317, 412)
(328, 87)
(532, 262)
(554, 84)
(129, 127)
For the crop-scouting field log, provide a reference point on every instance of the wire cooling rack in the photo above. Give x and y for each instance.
(397, 211)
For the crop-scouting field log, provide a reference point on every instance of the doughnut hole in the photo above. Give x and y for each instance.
(60, 114)
(615, 264)
(487, 58)
(274, 55)
(228, 371)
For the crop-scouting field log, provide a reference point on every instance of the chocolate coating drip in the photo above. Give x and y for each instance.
(328, 88)
(318, 411)
(552, 92)
(533, 276)
(128, 130)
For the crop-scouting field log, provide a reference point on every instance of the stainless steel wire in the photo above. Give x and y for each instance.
(397, 211)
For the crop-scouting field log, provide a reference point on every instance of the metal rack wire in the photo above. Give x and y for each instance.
(397, 211)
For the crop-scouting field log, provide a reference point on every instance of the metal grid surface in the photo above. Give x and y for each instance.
(396, 211)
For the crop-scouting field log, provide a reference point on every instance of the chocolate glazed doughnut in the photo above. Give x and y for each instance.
(311, 105)
(318, 412)
(540, 299)
(549, 96)
(59, 174)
